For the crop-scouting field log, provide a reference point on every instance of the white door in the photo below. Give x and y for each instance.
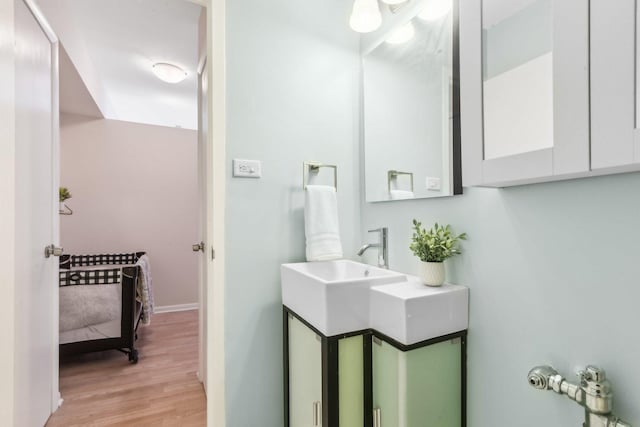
(203, 136)
(36, 216)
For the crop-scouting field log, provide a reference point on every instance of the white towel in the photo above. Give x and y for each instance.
(321, 223)
(401, 194)
(145, 288)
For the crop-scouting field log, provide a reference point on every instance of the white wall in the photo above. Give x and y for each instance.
(553, 271)
(292, 95)
(134, 188)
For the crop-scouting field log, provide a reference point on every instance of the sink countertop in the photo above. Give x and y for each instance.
(414, 288)
(338, 297)
(411, 312)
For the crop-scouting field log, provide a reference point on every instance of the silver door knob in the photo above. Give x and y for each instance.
(198, 248)
(52, 250)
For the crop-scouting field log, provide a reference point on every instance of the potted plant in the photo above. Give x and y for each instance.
(64, 194)
(433, 247)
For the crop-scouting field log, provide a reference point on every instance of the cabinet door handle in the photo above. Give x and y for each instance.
(377, 418)
(317, 414)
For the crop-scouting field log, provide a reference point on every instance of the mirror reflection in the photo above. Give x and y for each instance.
(410, 128)
(517, 71)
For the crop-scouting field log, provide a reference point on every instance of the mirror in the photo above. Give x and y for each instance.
(411, 105)
(517, 76)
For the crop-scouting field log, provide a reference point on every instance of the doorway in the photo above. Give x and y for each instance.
(216, 331)
(133, 175)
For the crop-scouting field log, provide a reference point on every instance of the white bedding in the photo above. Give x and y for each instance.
(144, 289)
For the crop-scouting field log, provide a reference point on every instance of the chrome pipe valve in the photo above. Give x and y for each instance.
(593, 393)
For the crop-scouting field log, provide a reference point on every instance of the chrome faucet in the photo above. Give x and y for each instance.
(593, 393)
(382, 245)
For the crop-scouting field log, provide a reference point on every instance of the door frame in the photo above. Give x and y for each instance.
(216, 163)
(7, 213)
(216, 171)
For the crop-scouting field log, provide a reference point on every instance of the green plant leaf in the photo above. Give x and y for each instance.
(436, 244)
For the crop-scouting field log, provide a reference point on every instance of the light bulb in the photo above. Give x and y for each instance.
(435, 9)
(393, 1)
(169, 73)
(365, 16)
(402, 34)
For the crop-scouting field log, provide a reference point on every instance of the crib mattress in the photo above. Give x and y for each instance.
(110, 329)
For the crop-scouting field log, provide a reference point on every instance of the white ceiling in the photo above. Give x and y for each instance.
(114, 44)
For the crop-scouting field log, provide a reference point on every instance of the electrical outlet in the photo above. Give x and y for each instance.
(247, 168)
(433, 184)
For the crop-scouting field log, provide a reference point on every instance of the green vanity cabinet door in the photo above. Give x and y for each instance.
(325, 377)
(305, 366)
(417, 388)
(386, 384)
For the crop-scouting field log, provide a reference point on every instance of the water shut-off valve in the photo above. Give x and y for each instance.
(593, 393)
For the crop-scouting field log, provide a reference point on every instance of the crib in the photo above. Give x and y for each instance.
(99, 307)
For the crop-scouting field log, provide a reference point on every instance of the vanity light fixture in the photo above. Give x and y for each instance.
(435, 10)
(366, 16)
(402, 34)
(168, 72)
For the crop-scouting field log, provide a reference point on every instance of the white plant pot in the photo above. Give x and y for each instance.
(432, 273)
(61, 206)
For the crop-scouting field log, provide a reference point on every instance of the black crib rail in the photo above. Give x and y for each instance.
(103, 276)
(69, 261)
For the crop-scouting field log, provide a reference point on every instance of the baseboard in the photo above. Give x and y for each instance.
(177, 307)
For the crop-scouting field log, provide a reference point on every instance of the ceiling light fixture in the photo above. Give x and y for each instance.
(402, 34)
(366, 16)
(393, 1)
(435, 10)
(168, 72)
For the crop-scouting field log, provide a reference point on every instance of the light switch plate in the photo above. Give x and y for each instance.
(247, 168)
(433, 184)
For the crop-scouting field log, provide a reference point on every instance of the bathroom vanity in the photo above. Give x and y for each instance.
(364, 346)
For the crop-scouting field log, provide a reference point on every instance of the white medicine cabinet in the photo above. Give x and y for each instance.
(615, 97)
(548, 90)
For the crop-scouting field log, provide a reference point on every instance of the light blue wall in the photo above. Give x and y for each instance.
(292, 95)
(554, 273)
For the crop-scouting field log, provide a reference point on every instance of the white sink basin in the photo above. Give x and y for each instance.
(333, 296)
(411, 312)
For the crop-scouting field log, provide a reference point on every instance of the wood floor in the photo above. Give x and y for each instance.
(104, 389)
